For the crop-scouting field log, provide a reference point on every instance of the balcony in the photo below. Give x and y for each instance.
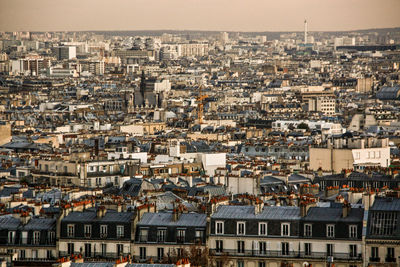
(97, 255)
(390, 259)
(374, 259)
(32, 260)
(180, 239)
(30, 242)
(289, 254)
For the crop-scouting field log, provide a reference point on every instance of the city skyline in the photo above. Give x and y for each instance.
(254, 15)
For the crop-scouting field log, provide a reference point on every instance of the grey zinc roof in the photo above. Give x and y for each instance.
(92, 264)
(388, 204)
(149, 265)
(247, 212)
(330, 214)
(165, 219)
(40, 224)
(87, 216)
(8, 222)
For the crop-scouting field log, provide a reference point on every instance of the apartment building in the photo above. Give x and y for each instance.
(383, 233)
(33, 240)
(287, 236)
(165, 235)
(90, 173)
(344, 153)
(96, 233)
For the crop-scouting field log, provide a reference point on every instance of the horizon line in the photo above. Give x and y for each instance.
(229, 31)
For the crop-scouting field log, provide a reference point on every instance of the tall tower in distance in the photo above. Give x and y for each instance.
(305, 31)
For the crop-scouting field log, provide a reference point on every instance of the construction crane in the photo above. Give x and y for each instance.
(200, 105)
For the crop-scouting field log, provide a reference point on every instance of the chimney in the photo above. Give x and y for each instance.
(346, 208)
(368, 200)
(305, 205)
(25, 218)
(176, 212)
(287, 179)
(258, 207)
(100, 212)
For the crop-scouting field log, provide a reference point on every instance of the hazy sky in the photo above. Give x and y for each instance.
(228, 15)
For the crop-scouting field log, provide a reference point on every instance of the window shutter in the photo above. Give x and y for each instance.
(359, 249)
(256, 245)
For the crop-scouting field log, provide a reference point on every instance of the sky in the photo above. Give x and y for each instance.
(218, 15)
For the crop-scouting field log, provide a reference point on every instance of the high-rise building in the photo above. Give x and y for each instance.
(305, 31)
(65, 52)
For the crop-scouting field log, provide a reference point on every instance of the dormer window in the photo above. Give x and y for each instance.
(219, 227)
(71, 230)
(241, 228)
(285, 229)
(330, 231)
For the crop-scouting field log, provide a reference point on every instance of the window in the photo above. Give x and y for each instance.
(88, 230)
(70, 248)
(34, 254)
(180, 237)
(285, 248)
(199, 236)
(285, 229)
(241, 228)
(353, 231)
(261, 264)
(240, 246)
(11, 237)
(329, 249)
(161, 233)
(374, 253)
(179, 252)
(88, 250)
(219, 245)
(308, 230)
(142, 251)
(120, 231)
(240, 263)
(51, 236)
(120, 249)
(262, 229)
(330, 230)
(24, 237)
(143, 235)
(383, 223)
(36, 238)
(262, 247)
(160, 254)
(353, 250)
(21, 254)
(49, 254)
(103, 231)
(103, 250)
(71, 230)
(307, 249)
(390, 257)
(219, 228)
